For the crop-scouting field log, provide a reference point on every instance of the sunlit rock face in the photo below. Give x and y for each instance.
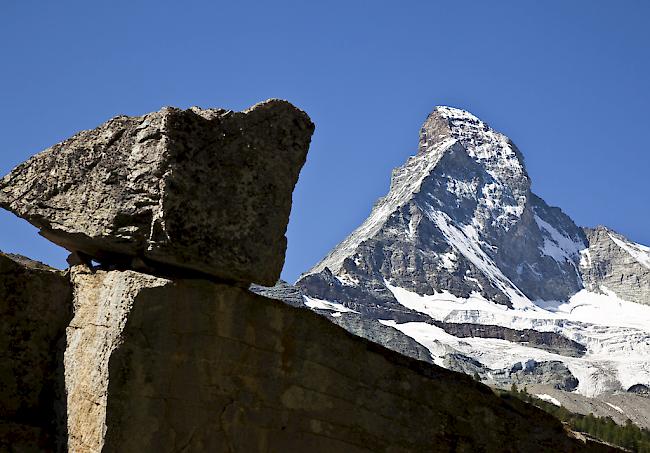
(174, 192)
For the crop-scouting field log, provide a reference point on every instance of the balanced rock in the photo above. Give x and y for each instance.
(35, 308)
(206, 192)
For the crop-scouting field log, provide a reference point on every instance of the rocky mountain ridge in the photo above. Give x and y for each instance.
(462, 257)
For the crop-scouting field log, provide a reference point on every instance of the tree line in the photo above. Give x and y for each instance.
(628, 436)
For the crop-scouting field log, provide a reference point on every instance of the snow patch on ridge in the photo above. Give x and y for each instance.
(549, 398)
(616, 408)
(465, 240)
(558, 246)
(320, 304)
(639, 252)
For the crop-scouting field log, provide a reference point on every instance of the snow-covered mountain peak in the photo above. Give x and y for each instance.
(463, 206)
(494, 175)
(462, 258)
(482, 141)
(455, 114)
(481, 171)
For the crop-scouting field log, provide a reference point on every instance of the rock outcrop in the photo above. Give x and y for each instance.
(614, 264)
(175, 192)
(548, 341)
(35, 308)
(190, 365)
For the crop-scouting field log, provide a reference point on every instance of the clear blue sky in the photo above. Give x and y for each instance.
(568, 81)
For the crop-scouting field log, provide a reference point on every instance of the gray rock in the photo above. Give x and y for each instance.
(195, 191)
(552, 373)
(281, 291)
(640, 389)
(466, 365)
(35, 308)
(548, 341)
(610, 263)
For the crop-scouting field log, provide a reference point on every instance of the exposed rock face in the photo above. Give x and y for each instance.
(549, 341)
(639, 389)
(555, 374)
(204, 191)
(156, 365)
(615, 264)
(282, 291)
(35, 308)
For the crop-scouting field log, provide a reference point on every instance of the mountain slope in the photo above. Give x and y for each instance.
(460, 216)
(463, 258)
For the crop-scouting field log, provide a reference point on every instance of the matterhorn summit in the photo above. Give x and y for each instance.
(460, 217)
(461, 264)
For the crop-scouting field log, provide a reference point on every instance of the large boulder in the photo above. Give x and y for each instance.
(176, 191)
(35, 308)
(191, 365)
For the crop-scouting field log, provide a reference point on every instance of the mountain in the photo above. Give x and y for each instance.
(111, 356)
(464, 259)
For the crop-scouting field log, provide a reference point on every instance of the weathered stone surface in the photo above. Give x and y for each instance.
(35, 308)
(639, 389)
(156, 365)
(207, 191)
